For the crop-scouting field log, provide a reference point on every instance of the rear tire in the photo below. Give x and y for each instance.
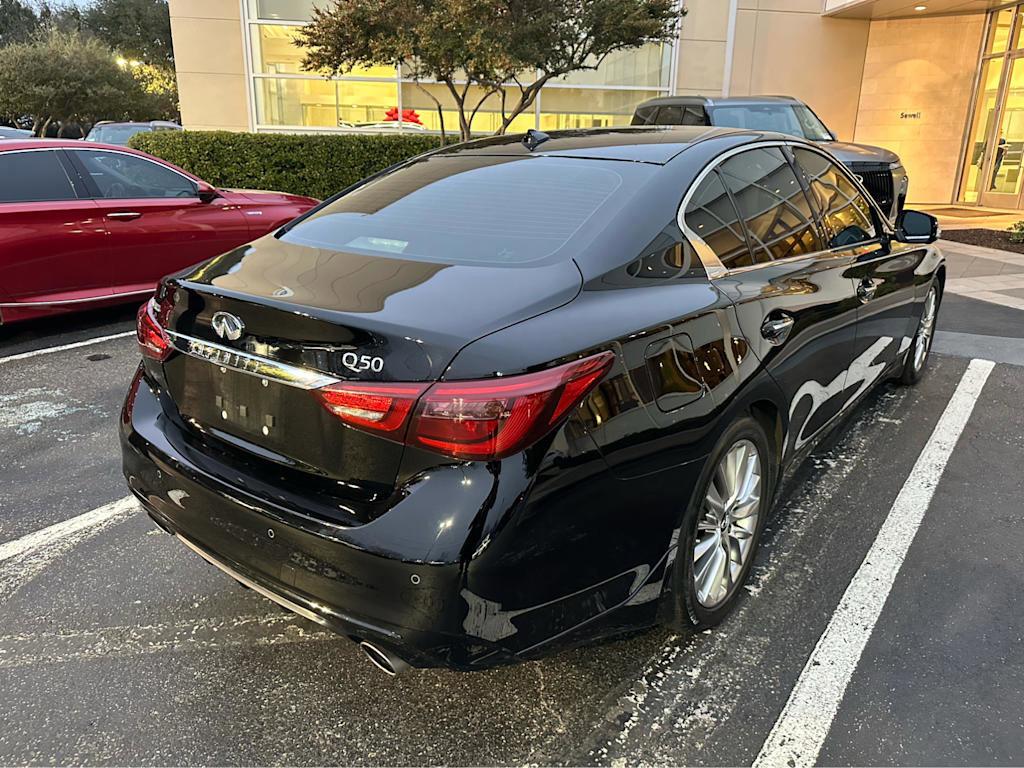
(722, 528)
(917, 355)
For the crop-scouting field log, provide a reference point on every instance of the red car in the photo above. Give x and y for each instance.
(89, 225)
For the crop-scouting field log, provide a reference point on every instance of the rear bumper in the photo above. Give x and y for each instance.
(328, 574)
(472, 565)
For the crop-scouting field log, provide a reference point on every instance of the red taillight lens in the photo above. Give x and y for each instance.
(498, 417)
(153, 341)
(381, 408)
(479, 420)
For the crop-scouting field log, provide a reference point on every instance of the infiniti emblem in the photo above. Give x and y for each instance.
(227, 326)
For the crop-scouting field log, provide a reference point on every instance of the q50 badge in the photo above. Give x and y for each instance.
(360, 363)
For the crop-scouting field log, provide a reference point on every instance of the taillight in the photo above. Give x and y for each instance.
(486, 419)
(495, 418)
(153, 340)
(382, 408)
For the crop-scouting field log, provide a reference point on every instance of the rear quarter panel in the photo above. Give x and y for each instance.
(600, 509)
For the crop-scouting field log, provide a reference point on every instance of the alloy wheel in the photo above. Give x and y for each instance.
(726, 524)
(925, 331)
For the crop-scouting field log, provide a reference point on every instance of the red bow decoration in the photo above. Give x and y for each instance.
(408, 116)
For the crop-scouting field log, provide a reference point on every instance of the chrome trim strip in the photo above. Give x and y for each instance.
(254, 365)
(279, 599)
(103, 297)
(320, 618)
(712, 264)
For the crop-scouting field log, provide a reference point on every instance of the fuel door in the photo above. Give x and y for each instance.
(673, 375)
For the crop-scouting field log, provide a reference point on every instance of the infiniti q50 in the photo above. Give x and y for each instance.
(523, 392)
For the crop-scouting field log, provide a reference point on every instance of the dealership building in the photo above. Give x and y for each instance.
(941, 82)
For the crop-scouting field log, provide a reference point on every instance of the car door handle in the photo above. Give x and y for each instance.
(776, 329)
(866, 290)
(124, 215)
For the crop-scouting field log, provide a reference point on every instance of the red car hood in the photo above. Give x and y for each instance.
(263, 197)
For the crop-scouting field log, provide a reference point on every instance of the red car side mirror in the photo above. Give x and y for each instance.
(207, 194)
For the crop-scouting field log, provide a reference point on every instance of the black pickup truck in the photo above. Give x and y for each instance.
(880, 170)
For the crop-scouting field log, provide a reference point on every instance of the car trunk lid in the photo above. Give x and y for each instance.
(261, 327)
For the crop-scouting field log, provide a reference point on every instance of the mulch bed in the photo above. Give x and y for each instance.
(988, 238)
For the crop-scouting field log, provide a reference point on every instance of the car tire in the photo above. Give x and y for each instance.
(917, 356)
(705, 537)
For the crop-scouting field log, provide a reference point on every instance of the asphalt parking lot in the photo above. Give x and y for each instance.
(118, 646)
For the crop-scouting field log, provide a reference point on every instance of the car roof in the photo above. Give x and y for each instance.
(655, 144)
(716, 101)
(13, 144)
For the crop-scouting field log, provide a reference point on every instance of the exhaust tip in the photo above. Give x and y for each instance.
(386, 662)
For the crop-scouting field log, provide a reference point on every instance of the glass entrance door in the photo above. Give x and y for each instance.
(1004, 173)
(994, 163)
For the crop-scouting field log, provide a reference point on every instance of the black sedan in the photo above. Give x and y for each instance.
(523, 392)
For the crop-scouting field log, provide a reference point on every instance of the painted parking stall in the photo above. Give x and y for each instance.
(111, 629)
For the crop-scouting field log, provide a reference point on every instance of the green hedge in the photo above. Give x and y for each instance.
(314, 165)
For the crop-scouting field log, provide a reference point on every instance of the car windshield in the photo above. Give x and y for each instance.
(115, 134)
(489, 210)
(792, 119)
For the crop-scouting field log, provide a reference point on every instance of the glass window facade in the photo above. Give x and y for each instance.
(993, 164)
(285, 97)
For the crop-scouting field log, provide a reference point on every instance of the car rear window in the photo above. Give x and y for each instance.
(116, 134)
(482, 210)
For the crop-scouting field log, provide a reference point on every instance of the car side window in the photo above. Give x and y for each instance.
(644, 116)
(847, 214)
(682, 115)
(118, 175)
(28, 177)
(711, 215)
(777, 214)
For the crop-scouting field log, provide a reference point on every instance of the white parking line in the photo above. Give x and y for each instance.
(23, 559)
(62, 347)
(801, 729)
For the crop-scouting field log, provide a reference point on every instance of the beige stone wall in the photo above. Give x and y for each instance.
(702, 48)
(916, 94)
(210, 61)
(787, 47)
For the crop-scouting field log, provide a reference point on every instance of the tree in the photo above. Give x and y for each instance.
(74, 79)
(160, 89)
(137, 29)
(508, 49)
(18, 22)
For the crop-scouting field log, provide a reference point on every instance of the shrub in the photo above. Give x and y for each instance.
(314, 165)
(1016, 232)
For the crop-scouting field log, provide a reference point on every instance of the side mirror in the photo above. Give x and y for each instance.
(207, 194)
(917, 227)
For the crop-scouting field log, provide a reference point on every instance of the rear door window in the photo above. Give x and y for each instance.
(644, 116)
(776, 213)
(37, 176)
(846, 213)
(689, 114)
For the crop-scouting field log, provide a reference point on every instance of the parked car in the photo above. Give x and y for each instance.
(6, 132)
(513, 395)
(83, 226)
(880, 170)
(109, 132)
